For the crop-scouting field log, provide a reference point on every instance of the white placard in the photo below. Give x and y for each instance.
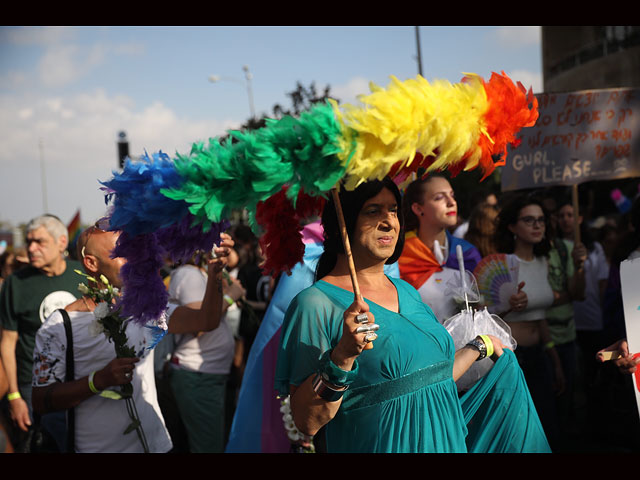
(579, 137)
(630, 279)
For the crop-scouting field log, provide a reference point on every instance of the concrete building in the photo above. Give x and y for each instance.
(590, 57)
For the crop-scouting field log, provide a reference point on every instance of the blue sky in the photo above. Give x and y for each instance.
(65, 92)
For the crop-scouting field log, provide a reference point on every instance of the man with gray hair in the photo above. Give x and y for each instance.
(27, 298)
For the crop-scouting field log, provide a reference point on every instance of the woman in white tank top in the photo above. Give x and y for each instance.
(521, 232)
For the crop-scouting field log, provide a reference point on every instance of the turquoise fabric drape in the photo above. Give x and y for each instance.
(405, 399)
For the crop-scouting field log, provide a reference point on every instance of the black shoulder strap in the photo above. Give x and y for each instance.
(70, 376)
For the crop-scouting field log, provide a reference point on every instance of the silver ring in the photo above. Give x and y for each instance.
(370, 337)
(127, 375)
(362, 318)
(370, 327)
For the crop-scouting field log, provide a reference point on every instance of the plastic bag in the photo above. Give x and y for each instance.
(464, 327)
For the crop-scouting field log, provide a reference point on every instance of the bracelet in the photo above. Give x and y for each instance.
(13, 395)
(92, 387)
(549, 345)
(326, 391)
(488, 343)
(228, 299)
(334, 374)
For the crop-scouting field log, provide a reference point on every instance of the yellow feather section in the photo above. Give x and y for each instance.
(436, 119)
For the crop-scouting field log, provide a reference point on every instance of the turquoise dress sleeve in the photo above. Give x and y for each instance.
(404, 398)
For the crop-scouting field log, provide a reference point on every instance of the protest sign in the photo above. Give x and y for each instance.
(629, 275)
(579, 137)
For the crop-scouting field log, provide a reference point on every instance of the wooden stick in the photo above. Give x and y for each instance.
(347, 250)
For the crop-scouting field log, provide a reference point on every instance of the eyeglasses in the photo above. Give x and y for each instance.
(529, 221)
(101, 225)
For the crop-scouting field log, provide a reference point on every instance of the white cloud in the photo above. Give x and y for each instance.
(518, 36)
(78, 135)
(25, 113)
(348, 92)
(36, 35)
(59, 66)
(63, 64)
(13, 80)
(528, 79)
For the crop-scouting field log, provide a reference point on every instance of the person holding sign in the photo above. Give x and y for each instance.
(400, 395)
(622, 358)
(613, 306)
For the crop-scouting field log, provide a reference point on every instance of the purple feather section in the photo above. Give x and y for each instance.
(144, 295)
(181, 240)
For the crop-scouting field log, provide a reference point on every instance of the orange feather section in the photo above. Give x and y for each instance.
(511, 108)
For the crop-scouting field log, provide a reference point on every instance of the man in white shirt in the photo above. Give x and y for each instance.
(100, 422)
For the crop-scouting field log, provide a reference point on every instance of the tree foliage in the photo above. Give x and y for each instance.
(302, 99)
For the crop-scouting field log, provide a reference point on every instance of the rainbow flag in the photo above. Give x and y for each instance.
(74, 228)
(257, 424)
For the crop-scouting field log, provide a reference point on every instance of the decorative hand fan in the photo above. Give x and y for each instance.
(497, 277)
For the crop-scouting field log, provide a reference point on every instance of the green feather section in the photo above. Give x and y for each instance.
(299, 152)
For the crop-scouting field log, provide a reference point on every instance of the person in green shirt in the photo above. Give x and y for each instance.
(567, 280)
(27, 298)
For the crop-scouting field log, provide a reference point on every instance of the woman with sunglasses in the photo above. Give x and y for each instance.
(523, 232)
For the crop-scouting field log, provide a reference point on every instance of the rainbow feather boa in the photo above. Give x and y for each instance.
(174, 207)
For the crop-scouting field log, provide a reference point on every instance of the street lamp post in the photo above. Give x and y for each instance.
(247, 75)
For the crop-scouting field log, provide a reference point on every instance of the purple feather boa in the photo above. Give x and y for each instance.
(144, 295)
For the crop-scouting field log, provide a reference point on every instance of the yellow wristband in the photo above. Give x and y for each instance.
(92, 387)
(228, 299)
(549, 345)
(13, 395)
(488, 343)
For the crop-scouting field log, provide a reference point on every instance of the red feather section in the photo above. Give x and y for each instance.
(282, 243)
(511, 108)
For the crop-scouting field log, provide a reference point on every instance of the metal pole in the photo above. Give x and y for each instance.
(247, 75)
(45, 207)
(419, 56)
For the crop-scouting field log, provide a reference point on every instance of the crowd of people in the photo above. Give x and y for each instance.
(399, 396)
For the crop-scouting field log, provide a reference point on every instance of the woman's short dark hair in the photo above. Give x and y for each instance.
(509, 215)
(352, 202)
(413, 194)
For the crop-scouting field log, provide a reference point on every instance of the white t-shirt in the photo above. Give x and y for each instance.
(588, 313)
(100, 422)
(211, 352)
(539, 294)
(434, 292)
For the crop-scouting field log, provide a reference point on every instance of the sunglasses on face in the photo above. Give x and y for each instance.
(529, 221)
(102, 225)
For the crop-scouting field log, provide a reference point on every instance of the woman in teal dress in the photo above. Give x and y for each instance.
(400, 395)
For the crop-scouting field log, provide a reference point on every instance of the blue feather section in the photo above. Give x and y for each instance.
(138, 205)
